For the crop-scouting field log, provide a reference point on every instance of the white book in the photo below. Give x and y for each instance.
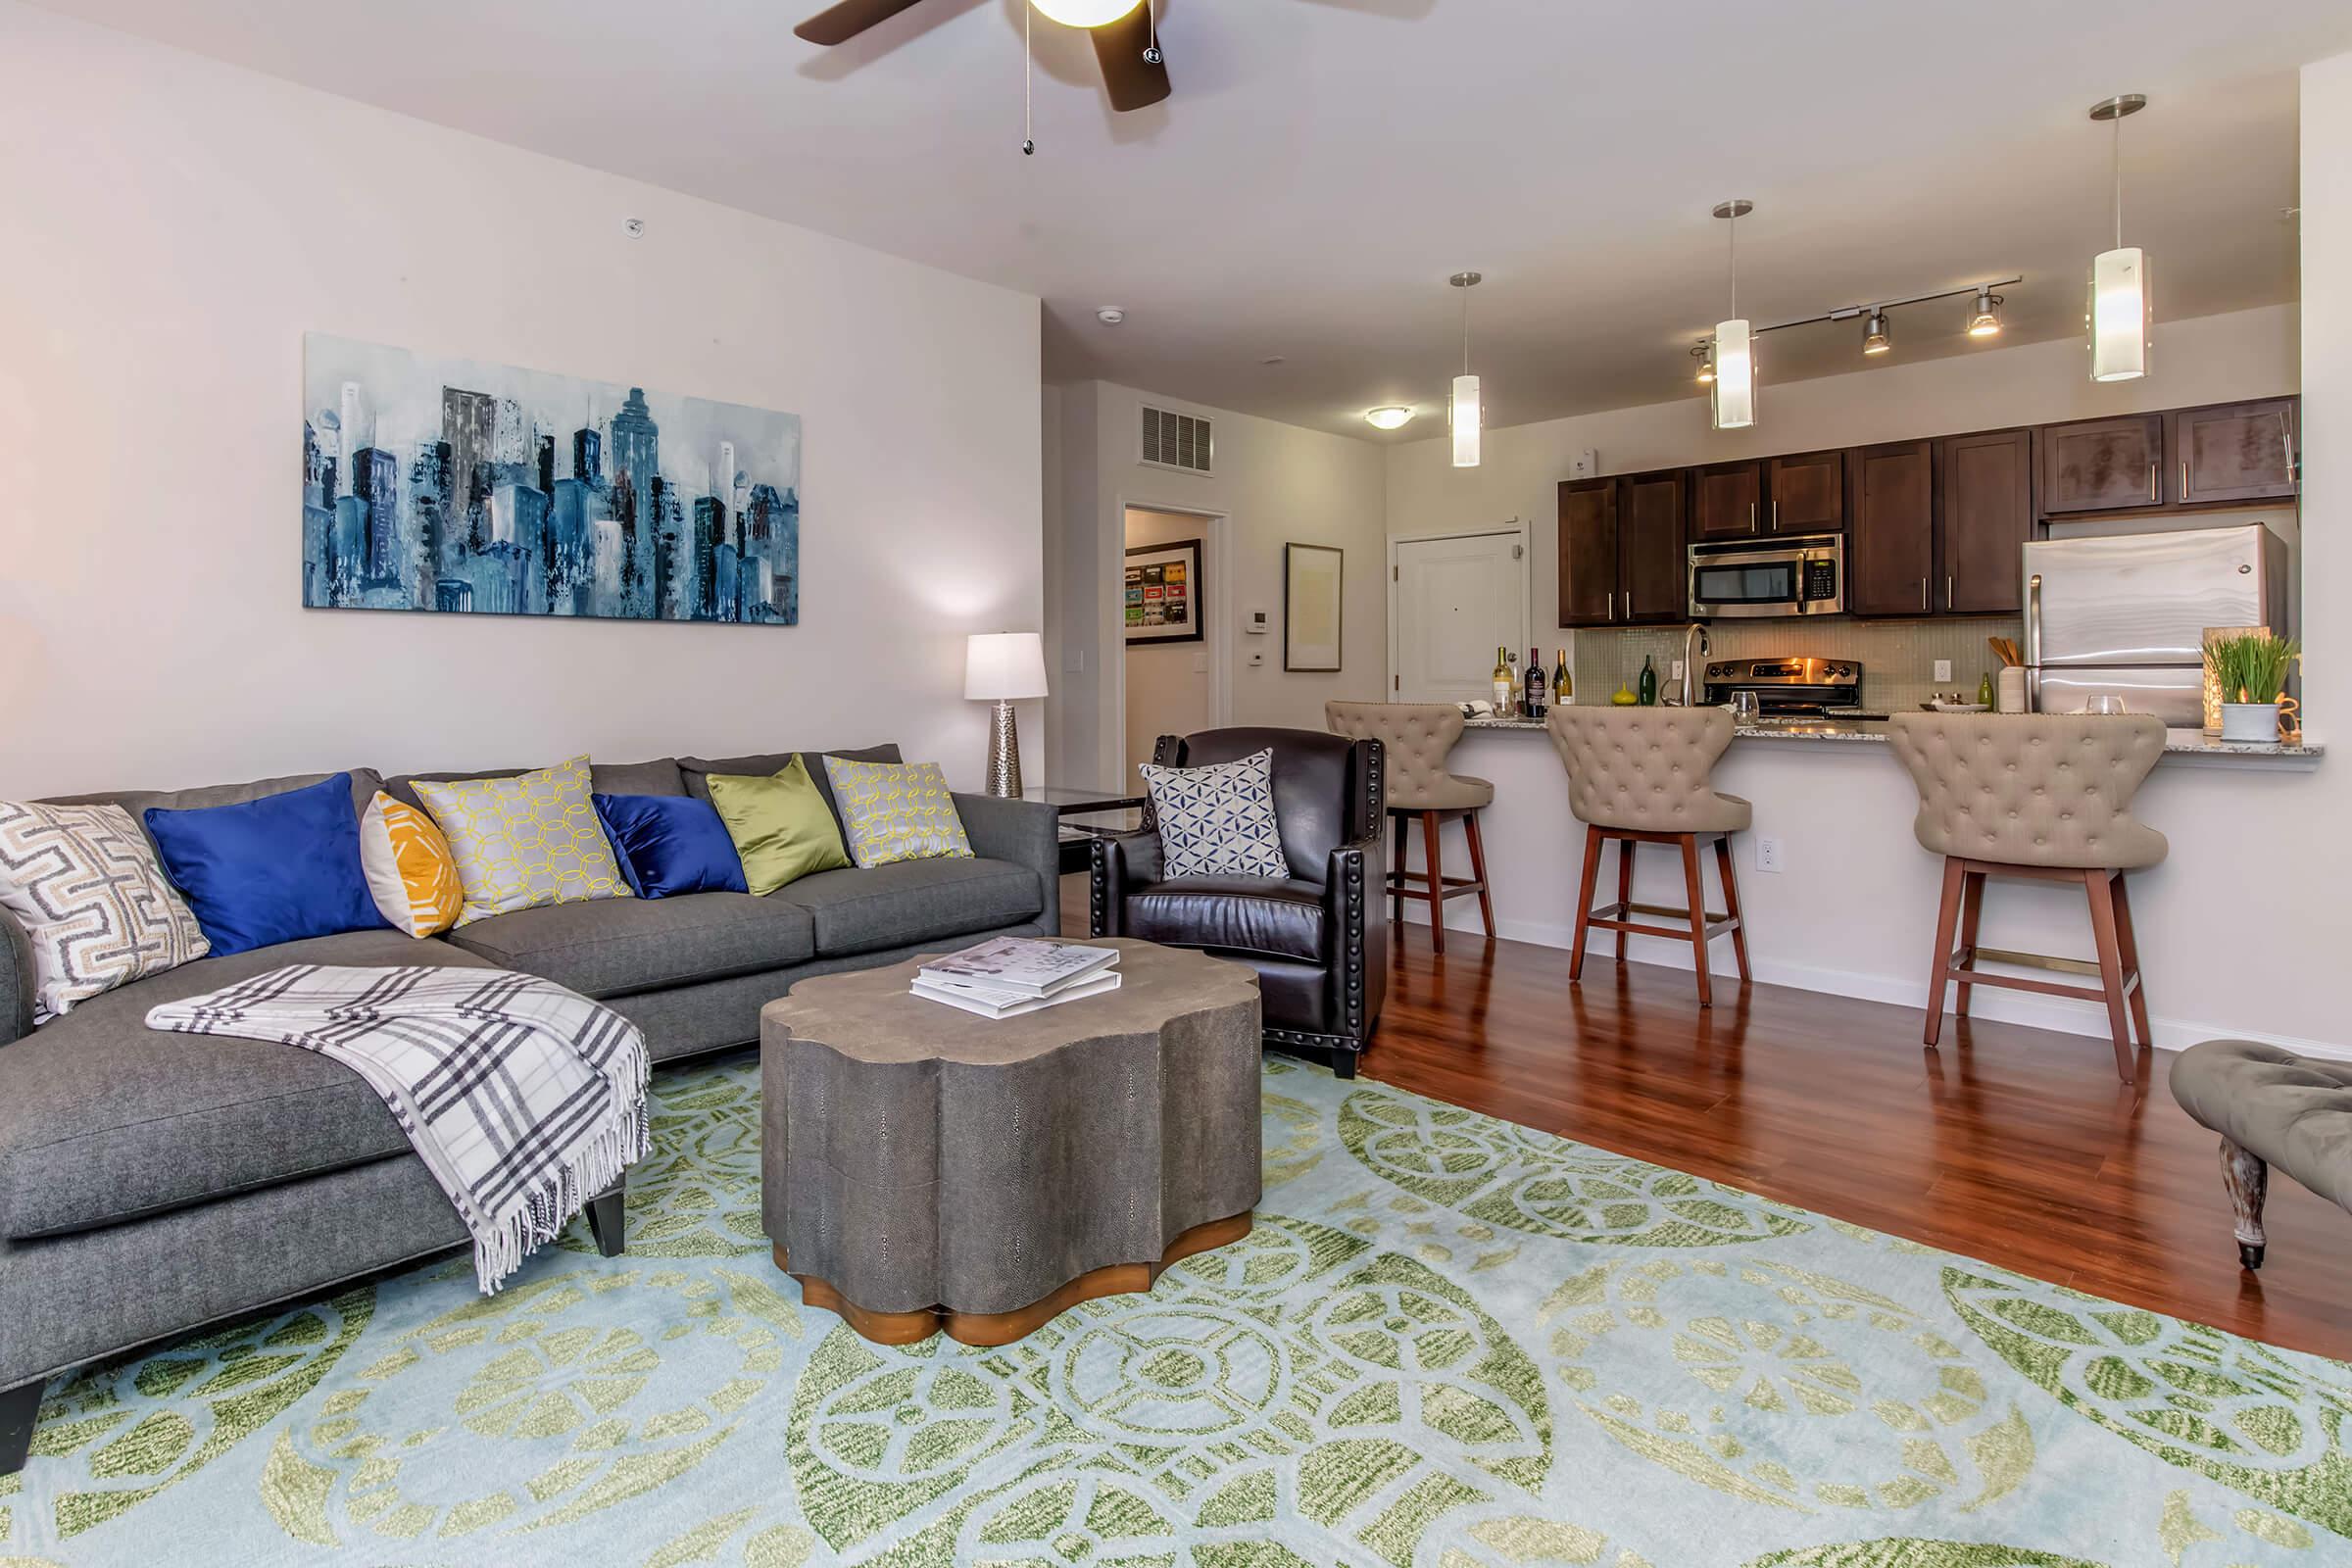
(1022, 964)
(966, 998)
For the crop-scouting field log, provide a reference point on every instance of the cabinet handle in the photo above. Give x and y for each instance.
(1776, 514)
(1947, 592)
(2153, 493)
(1612, 613)
(1751, 517)
(2185, 478)
(1922, 593)
(2286, 443)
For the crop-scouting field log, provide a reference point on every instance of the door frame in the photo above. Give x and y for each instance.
(1514, 527)
(1216, 542)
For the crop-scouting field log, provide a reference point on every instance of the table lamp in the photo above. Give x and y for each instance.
(1003, 667)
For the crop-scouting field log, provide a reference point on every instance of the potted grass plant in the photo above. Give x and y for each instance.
(2249, 669)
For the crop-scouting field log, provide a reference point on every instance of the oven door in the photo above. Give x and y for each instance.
(1748, 581)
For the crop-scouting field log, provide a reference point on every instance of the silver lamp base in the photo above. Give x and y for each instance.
(1003, 751)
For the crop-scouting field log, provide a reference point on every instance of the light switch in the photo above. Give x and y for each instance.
(1199, 660)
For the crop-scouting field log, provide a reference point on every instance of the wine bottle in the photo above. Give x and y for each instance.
(1535, 683)
(1502, 682)
(1563, 689)
(1650, 683)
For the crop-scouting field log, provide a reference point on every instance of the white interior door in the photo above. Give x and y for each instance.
(1456, 599)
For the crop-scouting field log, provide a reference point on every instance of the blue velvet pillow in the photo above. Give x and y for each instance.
(671, 843)
(272, 870)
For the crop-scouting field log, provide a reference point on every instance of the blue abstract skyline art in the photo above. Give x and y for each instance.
(444, 484)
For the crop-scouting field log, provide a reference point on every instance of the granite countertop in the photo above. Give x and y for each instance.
(1874, 732)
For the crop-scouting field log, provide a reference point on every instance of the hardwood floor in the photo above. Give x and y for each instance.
(2013, 1145)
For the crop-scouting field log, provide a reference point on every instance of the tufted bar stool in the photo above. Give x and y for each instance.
(1417, 738)
(2035, 795)
(1640, 775)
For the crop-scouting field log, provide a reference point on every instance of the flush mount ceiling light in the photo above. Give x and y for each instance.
(1464, 409)
(1875, 337)
(1985, 319)
(1734, 389)
(1085, 12)
(1391, 418)
(2119, 277)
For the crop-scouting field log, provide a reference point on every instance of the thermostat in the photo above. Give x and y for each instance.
(1256, 624)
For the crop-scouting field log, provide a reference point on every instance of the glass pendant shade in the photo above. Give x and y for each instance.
(1735, 387)
(1085, 12)
(2119, 315)
(1465, 421)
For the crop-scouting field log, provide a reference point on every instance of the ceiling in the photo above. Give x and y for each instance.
(1324, 165)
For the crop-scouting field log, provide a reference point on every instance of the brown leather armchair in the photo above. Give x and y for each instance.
(1317, 938)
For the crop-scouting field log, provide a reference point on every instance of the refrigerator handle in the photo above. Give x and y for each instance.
(2033, 642)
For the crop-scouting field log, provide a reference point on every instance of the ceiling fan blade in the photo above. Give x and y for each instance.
(1134, 82)
(841, 22)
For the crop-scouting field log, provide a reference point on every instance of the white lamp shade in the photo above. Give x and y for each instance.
(2119, 315)
(1734, 389)
(1085, 14)
(1465, 421)
(1004, 665)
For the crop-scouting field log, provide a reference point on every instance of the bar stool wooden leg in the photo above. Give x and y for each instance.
(1593, 845)
(1696, 888)
(2128, 942)
(1625, 889)
(1972, 910)
(1947, 918)
(1477, 872)
(2100, 885)
(1731, 903)
(1404, 843)
(1437, 881)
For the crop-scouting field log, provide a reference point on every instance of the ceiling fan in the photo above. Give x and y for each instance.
(1133, 68)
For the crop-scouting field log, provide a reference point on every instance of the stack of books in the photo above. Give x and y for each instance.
(1004, 977)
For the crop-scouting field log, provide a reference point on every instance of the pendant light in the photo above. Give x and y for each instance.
(1734, 386)
(1085, 12)
(2119, 277)
(1876, 339)
(1465, 386)
(1985, 319)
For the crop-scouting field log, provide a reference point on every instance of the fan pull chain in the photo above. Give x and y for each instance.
(1028, 76)
(1151, 54)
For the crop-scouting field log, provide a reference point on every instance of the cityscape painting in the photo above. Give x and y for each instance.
(448, 485)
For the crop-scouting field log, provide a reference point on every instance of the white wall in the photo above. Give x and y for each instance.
(175, 225)
(1276, 483)
(2211, 358)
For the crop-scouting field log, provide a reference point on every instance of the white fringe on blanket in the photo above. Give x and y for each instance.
(523, 1099)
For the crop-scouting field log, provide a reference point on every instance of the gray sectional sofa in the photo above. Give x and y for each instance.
(153, 1183)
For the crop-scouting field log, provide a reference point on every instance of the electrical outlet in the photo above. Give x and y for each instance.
(1768, 855)
(1676, 673)
(1257, 658)
(1943, 669)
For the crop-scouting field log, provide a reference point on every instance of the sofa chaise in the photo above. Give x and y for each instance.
(154, 1183)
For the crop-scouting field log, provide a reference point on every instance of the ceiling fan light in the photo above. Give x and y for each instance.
(1734, 386)
(1085, 12)
(1465, 421)
(1391, 418)
(1985, 319)
(1876, 339)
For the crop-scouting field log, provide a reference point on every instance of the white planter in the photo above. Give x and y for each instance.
(2250, 721)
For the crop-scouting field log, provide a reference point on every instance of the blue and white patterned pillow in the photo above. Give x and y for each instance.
(1217, 821)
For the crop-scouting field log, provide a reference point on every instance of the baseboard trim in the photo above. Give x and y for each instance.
(1901, 991)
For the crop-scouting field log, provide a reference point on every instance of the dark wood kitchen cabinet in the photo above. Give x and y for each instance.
(2235, 452)
(1588, 553)
(2102, 465)
(1890, 554)
(1807, 494)
(1651, 508)
(1984, 495)
(1727, 501)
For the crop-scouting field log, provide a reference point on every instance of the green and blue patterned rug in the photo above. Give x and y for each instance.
(1450, 1342)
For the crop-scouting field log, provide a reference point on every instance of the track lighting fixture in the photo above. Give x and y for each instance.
(1703, 352)
(1875, 337)
(1985, 319)
(1716, 355)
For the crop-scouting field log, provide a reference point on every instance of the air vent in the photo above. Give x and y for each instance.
(1176, 441)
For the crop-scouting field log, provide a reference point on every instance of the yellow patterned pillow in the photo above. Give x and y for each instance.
(526, 841)
(408, 867)
(897, 811)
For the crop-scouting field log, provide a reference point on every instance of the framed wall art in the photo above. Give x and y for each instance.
(1163, 593)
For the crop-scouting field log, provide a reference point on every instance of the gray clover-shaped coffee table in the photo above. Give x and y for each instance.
(926, 1169)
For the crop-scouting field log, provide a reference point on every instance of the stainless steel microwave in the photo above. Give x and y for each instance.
(1749, 578)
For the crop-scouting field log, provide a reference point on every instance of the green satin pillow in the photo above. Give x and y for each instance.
(782, 826)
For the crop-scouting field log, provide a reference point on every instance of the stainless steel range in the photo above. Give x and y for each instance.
(1793, 688)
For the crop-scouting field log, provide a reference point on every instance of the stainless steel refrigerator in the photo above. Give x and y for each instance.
(2126, 615)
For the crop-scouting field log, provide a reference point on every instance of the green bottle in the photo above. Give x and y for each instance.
(1985, 692)
(1650, 683)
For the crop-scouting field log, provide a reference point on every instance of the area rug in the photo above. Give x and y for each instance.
(1450, 1342)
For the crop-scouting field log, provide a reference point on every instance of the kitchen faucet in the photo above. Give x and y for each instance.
(1694, 648)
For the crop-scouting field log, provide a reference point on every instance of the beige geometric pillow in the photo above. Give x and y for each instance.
(524, 842)
(83, 882)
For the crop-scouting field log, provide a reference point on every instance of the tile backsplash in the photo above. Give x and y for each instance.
(1897, 657)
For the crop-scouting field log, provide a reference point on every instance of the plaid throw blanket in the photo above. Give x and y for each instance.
(524, 1099)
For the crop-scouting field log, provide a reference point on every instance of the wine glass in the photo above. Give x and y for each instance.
(1744, 708)
(2106, 705)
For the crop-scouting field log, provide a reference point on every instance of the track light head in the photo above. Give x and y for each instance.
(1985, 319)
(1875, 337)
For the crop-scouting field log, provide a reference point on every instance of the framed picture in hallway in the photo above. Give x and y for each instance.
(1310, 607)
(1163, 593)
